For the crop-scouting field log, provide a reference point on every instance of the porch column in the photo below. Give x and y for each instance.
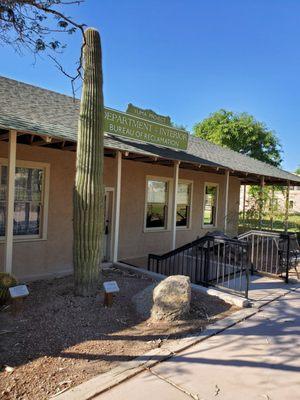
(117, 207)
(227, 175)
(287, 207)
(272, 207)
(244, 204)
(10, 199)
(174, 202)
(261, 201)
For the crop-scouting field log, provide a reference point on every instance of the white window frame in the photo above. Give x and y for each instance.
(169, 197)
(217, 205)
(189, 225)
(45, 197)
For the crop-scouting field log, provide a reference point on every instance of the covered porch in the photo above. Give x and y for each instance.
(121, 151)
(160, 198)
(127, 157)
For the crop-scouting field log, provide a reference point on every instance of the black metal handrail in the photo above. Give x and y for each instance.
(179, 249)
(209, 260)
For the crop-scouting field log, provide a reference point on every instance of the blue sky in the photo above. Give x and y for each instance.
(189, 58)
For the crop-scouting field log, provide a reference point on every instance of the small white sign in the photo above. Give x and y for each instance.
(18, 291)
(111, 287)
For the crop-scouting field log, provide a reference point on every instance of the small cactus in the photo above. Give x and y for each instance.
(6, 281)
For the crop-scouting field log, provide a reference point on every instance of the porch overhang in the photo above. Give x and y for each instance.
(45, 118)
(138, 151)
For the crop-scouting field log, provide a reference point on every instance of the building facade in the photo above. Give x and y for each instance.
(157, 197)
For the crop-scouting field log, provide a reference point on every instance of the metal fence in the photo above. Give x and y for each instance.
(210, 260)
(272, 253)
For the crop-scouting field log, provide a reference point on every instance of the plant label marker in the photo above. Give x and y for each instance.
(110, 288)
(17, 293)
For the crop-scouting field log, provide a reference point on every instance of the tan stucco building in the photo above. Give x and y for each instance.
(157, 198)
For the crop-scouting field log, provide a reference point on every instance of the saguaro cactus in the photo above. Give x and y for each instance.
(88, 191)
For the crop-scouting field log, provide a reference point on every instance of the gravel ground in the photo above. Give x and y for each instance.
(58, 340)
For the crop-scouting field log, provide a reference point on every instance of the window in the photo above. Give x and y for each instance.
(183, 204)
(157, 204)
(29, 207)
(210, 204)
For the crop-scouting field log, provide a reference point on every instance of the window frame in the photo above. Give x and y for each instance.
(45, 199)
(169, 181)
(189, 225)
(206, 184)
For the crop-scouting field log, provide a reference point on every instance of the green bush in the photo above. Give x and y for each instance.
(6, 281)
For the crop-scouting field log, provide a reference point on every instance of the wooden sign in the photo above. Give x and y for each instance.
(18, 291)
(133, 127)
(148, 114)
(110, 288)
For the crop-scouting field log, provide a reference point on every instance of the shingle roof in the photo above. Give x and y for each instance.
(29, 108)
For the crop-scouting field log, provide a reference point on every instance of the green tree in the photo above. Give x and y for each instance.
(297, 171)
(88, 191)
(243, 133)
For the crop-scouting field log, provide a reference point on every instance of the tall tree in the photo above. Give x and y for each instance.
(88, 192)
(297, 171)
(243, 133)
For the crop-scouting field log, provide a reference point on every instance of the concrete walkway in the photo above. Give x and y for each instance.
(258, 358)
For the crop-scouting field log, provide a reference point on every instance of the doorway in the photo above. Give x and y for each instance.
(108, 224)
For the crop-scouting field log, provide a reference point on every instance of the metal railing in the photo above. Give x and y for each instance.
(210, 260)
(272, 253)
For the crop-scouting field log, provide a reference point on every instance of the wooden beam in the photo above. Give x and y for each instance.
(5, 136)
(43, 141)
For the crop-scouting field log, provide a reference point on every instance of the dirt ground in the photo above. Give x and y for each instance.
(58, 340)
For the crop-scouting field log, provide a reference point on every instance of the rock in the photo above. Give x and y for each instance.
(172, 298)
(143, 301)
(9, 369)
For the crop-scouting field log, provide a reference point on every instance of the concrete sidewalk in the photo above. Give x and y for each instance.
(258, 358)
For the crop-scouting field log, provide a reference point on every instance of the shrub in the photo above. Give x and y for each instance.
(6, 281)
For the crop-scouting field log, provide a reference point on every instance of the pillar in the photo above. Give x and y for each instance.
(174, 202)
(117, 207)
(227, 175)
(287, 207)
(10, 200)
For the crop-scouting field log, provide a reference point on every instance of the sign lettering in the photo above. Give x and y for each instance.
(148, 114)
(132, 127)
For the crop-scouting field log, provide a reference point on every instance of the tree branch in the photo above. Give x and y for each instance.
(26, 20)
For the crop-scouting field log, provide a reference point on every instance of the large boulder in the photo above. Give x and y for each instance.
(172, 298)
